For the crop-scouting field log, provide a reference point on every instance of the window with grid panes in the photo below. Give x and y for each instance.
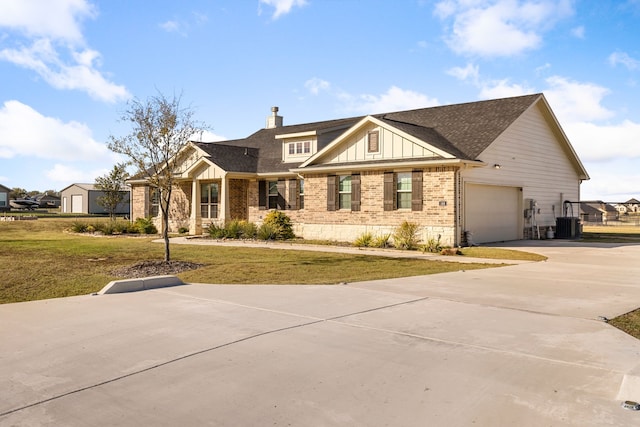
(403, 190)
(344, 192)
(209, 200)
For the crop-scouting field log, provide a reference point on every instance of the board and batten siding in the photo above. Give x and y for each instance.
(392, 146)
(531, 157)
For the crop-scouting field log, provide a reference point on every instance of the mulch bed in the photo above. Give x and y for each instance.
(154, 268)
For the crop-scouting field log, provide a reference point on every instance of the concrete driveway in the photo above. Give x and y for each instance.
(518, 345)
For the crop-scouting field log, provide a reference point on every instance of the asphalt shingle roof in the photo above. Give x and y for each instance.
(462, 130)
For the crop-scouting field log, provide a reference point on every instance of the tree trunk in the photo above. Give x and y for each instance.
(165, 226)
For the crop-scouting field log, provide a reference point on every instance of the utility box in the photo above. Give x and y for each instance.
(568, 228)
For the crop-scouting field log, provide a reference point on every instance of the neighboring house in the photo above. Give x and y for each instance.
(4, 198)
(83, 198)
(632, 205)
(597, 211)
(473, 167)
(48, 201)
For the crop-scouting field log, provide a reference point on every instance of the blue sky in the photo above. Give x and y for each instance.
(68, 68)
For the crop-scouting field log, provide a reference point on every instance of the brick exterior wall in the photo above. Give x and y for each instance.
(238, 198)
(316, 222)
(437, 216)
(139, 201)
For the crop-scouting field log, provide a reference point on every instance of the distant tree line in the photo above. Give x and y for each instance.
(21, 193)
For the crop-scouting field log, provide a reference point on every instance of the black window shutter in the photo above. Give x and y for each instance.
(282, 205)
(355, 192)
(262, 195)
(293, 194)
(389, 191)
(331, 192)
(416, 191)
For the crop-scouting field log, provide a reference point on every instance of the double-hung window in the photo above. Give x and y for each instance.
(403, 190)
(154, 202)
(301, 188)
(209, 196)
(344, 192)
(272, 194)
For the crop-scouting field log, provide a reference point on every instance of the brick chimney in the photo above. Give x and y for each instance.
(274, 120)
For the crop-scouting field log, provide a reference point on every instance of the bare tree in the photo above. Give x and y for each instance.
(160, 129)
(111, 185)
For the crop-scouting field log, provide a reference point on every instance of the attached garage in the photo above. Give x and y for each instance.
(492, 213)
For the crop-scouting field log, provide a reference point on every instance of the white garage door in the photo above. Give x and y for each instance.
(76, 203)
(492, 213)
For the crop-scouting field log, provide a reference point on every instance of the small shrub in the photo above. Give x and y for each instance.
(381, 241)
(281, 225)
(364, 240)
(122, 227)
(266, 232)
(248, 230)
(145, 226)
(106, 228)
(233, 229)
(405, 235)
(432, 245)
(183, 230)
(79, 227)
(216, 232)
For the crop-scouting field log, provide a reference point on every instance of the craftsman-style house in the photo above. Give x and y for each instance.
(494, 170)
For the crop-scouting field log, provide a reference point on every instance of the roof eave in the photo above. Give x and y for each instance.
(356, 166)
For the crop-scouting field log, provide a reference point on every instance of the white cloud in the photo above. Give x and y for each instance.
(623, 59)
(394, 99)
(499, 28)
(66, 174)
(56, 19)
(578, 32)
(315, 85)
(55, 47)
(605, 142)
(503, 89)
(576, 102)
(489, 89)
(208, 136)
(282, 7)
(182, 26)
(26, 132)
(172, 27)
(78, 73)
(469, 73)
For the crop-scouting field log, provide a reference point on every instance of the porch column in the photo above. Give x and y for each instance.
(195, 222)
(224, 199)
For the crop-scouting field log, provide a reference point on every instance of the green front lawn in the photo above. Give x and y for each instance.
(41, 260)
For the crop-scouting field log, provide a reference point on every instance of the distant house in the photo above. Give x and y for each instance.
(48, 201)
(597, 211)
(4, 198)
(632, 205)
(83, 198)
(453, 170)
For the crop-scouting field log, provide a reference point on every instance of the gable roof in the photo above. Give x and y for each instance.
(463, 131)
(471, 127)
(89, 187)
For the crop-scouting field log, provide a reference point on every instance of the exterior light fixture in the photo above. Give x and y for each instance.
(496, 166)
